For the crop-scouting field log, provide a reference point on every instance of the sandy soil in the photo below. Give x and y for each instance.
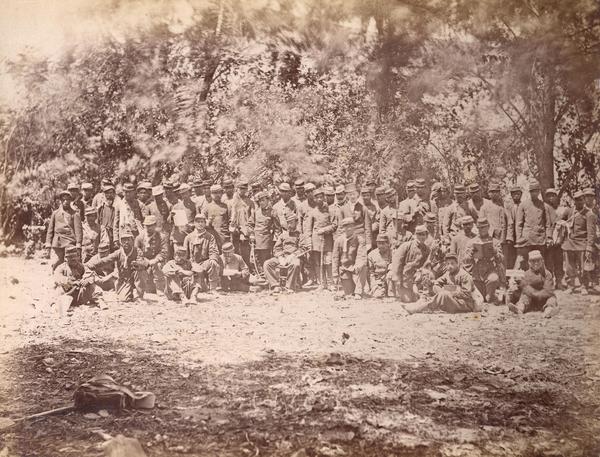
(301, 374)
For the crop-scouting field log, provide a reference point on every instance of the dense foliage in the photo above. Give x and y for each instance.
(335, 89)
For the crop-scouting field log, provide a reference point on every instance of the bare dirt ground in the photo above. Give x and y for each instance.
(300, 375)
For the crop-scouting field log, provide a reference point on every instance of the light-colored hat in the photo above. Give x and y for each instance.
(216, 188)
(227, 247)
(184, 187)
(150, 220)
(87, 186)
(535, 255)
(144, 185)
(309, 186)
(157, 190)
(284, 187)
(421, 229)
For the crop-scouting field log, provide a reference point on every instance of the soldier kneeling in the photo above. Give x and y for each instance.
(235, 274)
(535, 291)
(379, 261)
(179, 275)
(75, 279)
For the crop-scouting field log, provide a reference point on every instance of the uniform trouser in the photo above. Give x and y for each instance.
(448, 302)
(126, 286)
(380, 286)
(324, 271)
(59, 253)
(178, 285)
(574, 263)
(235, 284)
(106, 283)
(207, 270)
(527, 303)
(272, 273)
(487, 285)
(405, 291)
(82, 295)
(523, 252)
(242, 247)
(510, 255)
(261, 256)
(355, 282)
(150, 280)
(553, 258)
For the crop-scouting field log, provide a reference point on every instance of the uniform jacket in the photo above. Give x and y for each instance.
(240, 212)
(582, 230)
(119, 258)
(262, 226)
(304, 209)
(153, 247)
(496, 216)
(90, 240)
(64, 229)
(537, 285)
(378, 264)
(453, 215)
(346, 255)
(300, 240)
(458, 245)
(373, 211)
(65, 276)
(532, 226)
(386, 219)
(321, 219)
(106, 219)
(511, 220)
(160, 210)
(174, 269)
(280, 212)
(407, 259)
(236, 262)
(481, 268)
(217, 217)
(201, 247)
(464, 283)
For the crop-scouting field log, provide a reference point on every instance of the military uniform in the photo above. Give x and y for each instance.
(380, 280)
(535, 292)
(235, 271)
(349, 263)
(262, 227)
(75, 281)
(578, 242)
(240, 214)
(320, 226)
(152, 254)
(406, 261)
(203, 252)
(180, 278)
(286, 255)
(64, 229)
(455, 293)
(532, 227)
(128, 216)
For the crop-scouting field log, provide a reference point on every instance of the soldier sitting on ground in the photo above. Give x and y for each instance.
(535, 291)
(235, 274)
(454, 292)
(179, 275)
(106, 275)
(75, 279)
(379, 261)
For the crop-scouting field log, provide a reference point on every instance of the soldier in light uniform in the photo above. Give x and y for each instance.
(283, 207)
(407, 260)
(457, 210)
(485, 262)
(106, 214)
(105, 274)
(64, 229)
(90, 234)
(349, 261)
(152, 247)
(389, 213)
(179, 275)
(128, 214)
(379, 261)
(203, 252)
(217, 216)
(241, 209)
(75, 280)
(300, 196)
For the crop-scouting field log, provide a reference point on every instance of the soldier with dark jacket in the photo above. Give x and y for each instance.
(510, 252)
(203, 252)
(217, 216)
(105, 274)
(152, 254)
(535, 291)
(241, 209)
(407, 260)
(106, 214)
(578, 244)
(553, 257)
(182, 215)
(261, 228)
(179, 275)
(349, 261)
(64, 229)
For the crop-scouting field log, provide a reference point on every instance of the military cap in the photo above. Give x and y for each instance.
(157, 190)
(578, 194)
(451, 255)
(351, 187)
(347, 221)
(227, 247)
(535, 254)
(551, 190)
(145, 185)
(169, 185)
(197, 182)
(534, 184)
(261, 195)
(328, 190)
(104, 247)
(299, 182)
(90, 210)
(382, 238)
(125, 233)
(107, 187)
(411, 184)
(199, 217)
(71, 252)
(340, 189)
(380, 191)
(309, 186)
(284, 187)
(371, 183)
(184, 187)
(515, 188)
(430, 217)
(228, 182)
(64, 193)
(482, 222)
(87, 186)
(420, 183)
(421, 229)
(106, 182)
(128, 186)
(150, 220)
(589, 191)
(467, 220)
(459, 189)
(319, 191)
(216, 188)
(494, 187)
(242, 183)
(474, 187)
(73, 186)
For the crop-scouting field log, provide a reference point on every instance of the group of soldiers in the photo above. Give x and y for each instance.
(438, 248)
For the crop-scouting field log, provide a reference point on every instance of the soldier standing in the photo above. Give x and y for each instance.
(64, 230)
(458, 243)
(510, 251)
(128, 214)
(554, 255)
(321, 224)
(262, 229)
(217, 216)
(241, 209)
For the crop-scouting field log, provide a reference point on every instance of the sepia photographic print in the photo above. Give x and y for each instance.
(299, 228)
